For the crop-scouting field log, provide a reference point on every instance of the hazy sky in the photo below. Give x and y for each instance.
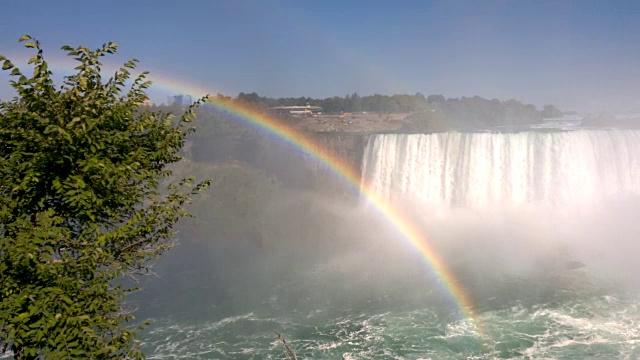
(582, 55)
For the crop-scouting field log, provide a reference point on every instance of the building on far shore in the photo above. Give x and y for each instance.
(307, 110)
(179, 99)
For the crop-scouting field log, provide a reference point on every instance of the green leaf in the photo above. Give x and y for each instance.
(30, 45)
(85, 210)
(24, 37)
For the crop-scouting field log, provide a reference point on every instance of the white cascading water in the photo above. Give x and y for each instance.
(481, 169)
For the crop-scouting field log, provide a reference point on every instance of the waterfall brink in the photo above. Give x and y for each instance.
(481, 169)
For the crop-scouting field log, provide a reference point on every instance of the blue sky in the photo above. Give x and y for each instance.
(582, 55)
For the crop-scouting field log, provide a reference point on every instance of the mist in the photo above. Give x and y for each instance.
(310, 253)
(506, 132)
(532, 225)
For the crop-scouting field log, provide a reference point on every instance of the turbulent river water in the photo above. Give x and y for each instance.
(539, 227)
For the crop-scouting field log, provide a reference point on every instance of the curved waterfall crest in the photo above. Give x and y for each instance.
(479, 169)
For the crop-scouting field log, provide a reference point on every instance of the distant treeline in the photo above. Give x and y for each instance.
(350, 103)
(220, 138)
(476, 112)
(434, 112)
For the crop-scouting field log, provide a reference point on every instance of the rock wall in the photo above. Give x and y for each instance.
(286, 162)
(347, 147)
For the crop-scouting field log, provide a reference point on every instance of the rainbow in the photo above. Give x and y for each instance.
(306, 144)
(393, 214)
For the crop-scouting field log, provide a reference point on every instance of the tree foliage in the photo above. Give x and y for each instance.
(458, 112)
(83, 204)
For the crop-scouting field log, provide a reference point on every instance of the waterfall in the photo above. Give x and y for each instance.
(481, 169)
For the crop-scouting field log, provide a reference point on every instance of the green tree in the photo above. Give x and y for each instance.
(85, 203)
(550, 111)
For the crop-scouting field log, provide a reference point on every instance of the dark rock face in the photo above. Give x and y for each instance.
(348, 147)
(285, 162)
